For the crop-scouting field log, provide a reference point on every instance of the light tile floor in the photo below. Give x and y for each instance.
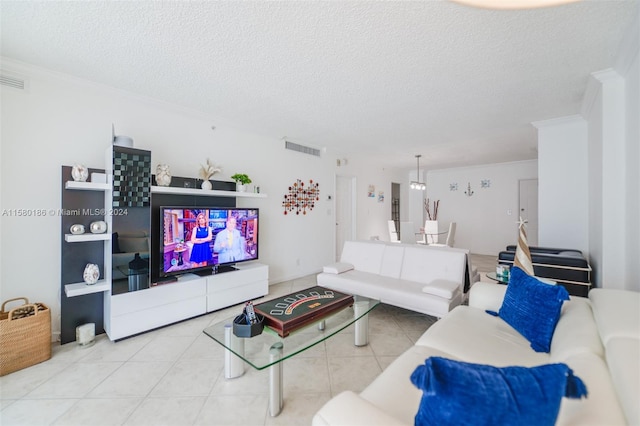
(175, 375)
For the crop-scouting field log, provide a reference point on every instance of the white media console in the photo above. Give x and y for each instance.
(128, 314)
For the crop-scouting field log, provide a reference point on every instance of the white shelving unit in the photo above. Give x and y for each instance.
(204, 192)
(79, 289)
(86, 186)
(130, 313)
(80, 238)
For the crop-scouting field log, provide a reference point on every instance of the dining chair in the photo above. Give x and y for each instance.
(450, 236)
(407, 233)
(393, 234)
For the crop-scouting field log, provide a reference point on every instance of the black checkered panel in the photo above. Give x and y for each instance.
(131, 177)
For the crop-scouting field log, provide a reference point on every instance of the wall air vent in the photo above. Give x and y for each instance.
(13, 81)
(301, 148)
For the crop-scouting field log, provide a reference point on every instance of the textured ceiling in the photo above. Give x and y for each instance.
(386, 80)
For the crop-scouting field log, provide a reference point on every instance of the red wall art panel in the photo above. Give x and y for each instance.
(301, 197)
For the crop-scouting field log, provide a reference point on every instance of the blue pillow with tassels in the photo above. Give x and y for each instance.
(462, 393)
(532, 307)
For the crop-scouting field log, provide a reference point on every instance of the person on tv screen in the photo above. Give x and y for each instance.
(201, 237)
(229, 244)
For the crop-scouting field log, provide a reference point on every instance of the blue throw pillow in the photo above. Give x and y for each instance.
(532, 307)
(461, 393)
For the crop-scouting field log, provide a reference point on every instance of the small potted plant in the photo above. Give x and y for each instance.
(241, 181)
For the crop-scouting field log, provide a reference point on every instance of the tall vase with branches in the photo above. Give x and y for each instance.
(431, 224)
(427, 207)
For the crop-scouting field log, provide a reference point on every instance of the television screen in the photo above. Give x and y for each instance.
(202, 238)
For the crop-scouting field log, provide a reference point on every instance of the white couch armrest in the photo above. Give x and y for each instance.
(441, 288)
(337, 268)
(348, 408)
(487, 296)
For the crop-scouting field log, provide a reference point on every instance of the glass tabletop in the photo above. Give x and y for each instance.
(255, 350)
(501, 279)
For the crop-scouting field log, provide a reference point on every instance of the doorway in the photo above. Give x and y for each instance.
(528, 208)
(395, 206)
(345, 212)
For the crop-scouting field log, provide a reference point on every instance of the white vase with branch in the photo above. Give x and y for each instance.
(207, 172)
(431, 223)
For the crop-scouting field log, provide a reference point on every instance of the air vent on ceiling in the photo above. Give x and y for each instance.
(12, 81)
(301, 148)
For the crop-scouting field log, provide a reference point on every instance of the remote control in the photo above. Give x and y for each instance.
(251, 314)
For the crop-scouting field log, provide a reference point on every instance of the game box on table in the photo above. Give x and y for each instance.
(293, 311)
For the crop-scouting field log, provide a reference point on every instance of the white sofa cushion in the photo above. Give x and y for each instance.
(601, 406)
(393, 390)
(487, 296)
(437, 264)
(401, 293)
(473, 335)
(364, 256)
(357, 282)
(348, 408)
(617, 313)
(624, 366)
(392, 261)
(337, 268)
(576, 333)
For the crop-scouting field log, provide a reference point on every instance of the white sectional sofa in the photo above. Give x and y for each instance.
(424, 279)
(598, 337)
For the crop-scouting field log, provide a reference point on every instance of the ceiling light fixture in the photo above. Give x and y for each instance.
(416, 184)
(513, 4)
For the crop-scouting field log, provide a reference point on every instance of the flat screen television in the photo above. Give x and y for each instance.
(206, 239)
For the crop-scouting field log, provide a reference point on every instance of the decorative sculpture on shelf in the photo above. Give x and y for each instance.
(163, 175)
(91, 273)
(79, 173)
(301, 199)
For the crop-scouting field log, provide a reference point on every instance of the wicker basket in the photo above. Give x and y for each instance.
(25, 335)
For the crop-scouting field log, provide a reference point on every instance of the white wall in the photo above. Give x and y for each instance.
(371, 214)
(563, 184)
(607, 138)
(611, 205)
(483, 223)
(61, 121)
(629, 68)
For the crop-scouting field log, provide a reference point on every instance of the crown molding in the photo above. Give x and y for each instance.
(594, 88)
(569, 119)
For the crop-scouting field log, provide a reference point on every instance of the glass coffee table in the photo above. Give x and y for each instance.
(269, 350)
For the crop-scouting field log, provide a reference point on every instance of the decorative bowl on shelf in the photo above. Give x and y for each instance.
(98, 227)
(77, 229)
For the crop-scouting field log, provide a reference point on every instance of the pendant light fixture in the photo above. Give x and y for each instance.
(416, 184)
